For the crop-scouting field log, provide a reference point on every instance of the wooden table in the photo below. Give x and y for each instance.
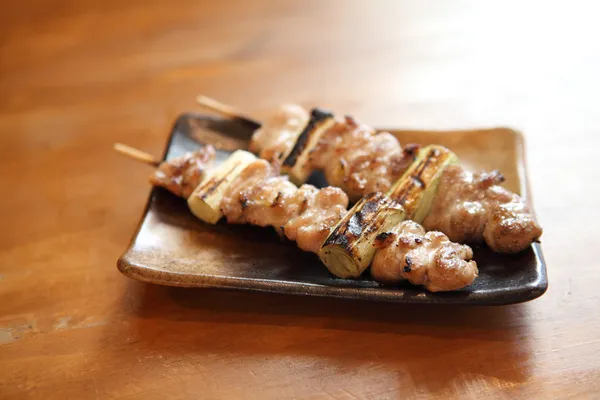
(76, 76)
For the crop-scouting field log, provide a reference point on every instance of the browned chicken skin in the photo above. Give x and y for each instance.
(359, 160)
(471, 208)
(429, 259)
(182, 175)
(260, 196)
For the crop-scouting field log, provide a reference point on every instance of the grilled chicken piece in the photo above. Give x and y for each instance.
(181, 175)
(359, 160)
(260, 196)
(471, 208)
(429, 259)
(323, 211)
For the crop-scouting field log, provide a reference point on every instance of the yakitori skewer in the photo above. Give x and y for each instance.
(245, 189)
(468, 207)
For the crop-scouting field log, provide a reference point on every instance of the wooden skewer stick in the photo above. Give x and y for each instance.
(136, 154)
(226, 110)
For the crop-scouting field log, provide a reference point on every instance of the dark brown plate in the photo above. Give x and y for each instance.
(172, 247)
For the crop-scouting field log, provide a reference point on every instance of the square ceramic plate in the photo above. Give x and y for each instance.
(172, 247)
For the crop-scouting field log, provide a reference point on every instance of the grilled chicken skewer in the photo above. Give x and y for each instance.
(245, 189)
(468, 207)
(352, 155)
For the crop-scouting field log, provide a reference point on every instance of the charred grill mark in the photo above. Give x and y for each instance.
(349, 119)
(343, 165)
(384, 238)
(418, 181)
(277, 200)
(373, 203)
(356, 225)
(316, 116)
(402, 163)
(417, 178)
(212, 188)
(433, 154)
(411, 150)
(304, 205)
(211, 185)
(353, 224)
(408, 266)
(407, 190)
(490, 178)
(338, 236)
(243, 201)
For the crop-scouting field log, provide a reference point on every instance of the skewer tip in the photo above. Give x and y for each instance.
(217, 106)
(226, 110)
(136, 154)
(202, 100)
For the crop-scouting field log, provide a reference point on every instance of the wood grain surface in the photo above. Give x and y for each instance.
(75, 76)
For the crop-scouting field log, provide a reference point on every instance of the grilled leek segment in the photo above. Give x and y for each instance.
(205, 201)
(416, 189)
(351, 246)
(297, 164)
